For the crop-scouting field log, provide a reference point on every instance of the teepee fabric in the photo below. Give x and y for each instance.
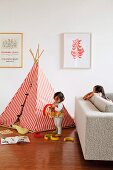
(29, 101)
(14, 108)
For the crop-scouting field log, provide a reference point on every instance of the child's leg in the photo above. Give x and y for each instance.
(55, 122)
(59, 125)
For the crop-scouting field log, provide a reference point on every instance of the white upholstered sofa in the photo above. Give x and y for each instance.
(95, 130)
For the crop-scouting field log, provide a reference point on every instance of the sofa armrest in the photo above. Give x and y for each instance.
(95, 131)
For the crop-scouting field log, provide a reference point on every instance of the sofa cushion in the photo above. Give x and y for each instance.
(102, 104)
(110, 96)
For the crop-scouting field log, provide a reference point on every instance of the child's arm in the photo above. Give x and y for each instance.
(88, 96)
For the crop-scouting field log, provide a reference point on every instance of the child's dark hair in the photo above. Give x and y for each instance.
(100, 89)
(60, 95)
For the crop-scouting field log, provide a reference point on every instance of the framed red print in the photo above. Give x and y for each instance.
(77, 50)
(11, 50)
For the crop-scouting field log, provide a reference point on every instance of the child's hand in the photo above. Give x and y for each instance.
(52, 109)
(53, 105)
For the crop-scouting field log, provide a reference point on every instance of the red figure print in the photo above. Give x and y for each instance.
(77, 50)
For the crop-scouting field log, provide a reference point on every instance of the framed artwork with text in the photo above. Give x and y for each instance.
(11, 50)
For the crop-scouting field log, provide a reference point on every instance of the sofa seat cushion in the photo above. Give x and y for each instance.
(102, 104)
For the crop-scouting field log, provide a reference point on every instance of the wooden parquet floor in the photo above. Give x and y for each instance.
(41, 154)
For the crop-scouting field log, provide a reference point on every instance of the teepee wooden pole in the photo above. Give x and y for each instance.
(37, 52)
(40, 54)
(37, 55)
(32, 54)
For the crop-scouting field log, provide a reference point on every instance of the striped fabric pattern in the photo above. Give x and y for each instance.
(10, 113)
(40, 93)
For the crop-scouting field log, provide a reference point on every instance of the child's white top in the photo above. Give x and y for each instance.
(59, 107)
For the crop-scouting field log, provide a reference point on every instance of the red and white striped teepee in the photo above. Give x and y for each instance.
(29, 101)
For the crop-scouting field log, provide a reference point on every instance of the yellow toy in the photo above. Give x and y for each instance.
(69, 139)
(54, 138)
(49, 136)
(20, 129)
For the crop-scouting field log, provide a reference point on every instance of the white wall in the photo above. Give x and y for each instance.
(44, 22)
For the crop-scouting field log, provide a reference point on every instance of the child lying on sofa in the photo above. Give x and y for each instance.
(96, 89)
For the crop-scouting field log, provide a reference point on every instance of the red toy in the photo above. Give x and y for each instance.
(46, 110)
(49, 111)
(38, 135)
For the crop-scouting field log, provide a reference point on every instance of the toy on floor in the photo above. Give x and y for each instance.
(7, 131)
(20, 129)
(68, 139)
(15, 139)
(49, 136)
(38, 135)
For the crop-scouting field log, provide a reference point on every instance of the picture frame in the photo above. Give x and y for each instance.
(77, 50)
(11, 50)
